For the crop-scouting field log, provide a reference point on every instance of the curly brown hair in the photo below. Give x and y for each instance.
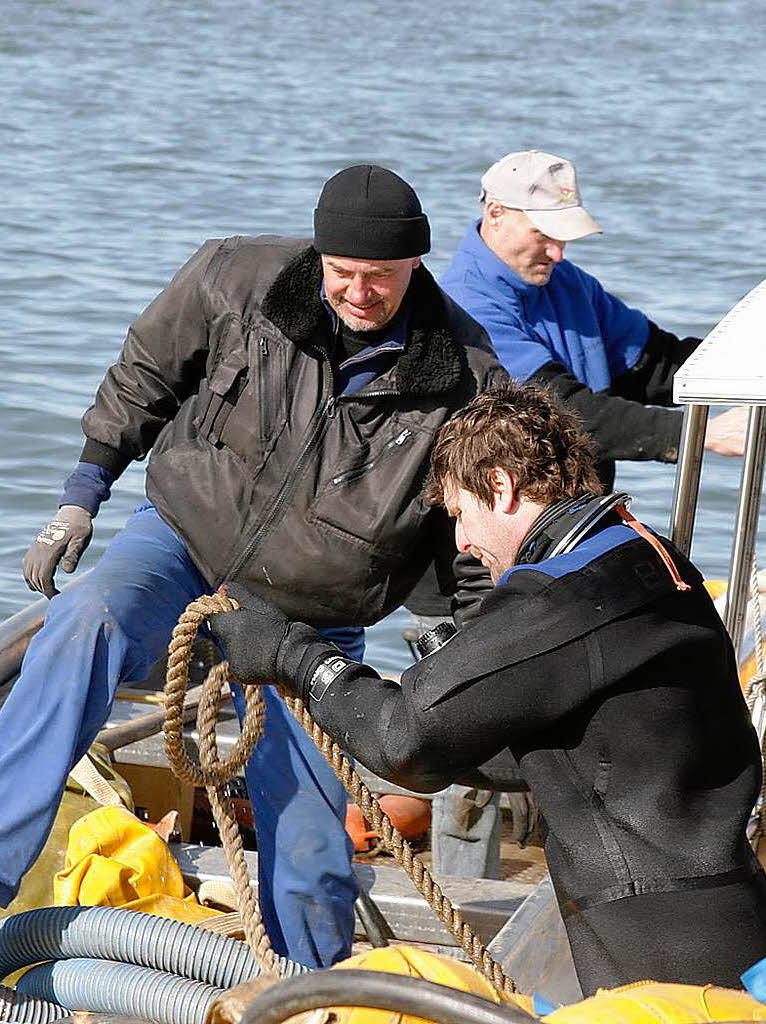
(524, 429)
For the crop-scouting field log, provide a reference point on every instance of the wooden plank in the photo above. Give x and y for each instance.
(158, 790)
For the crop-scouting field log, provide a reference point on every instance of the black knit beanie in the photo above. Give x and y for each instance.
(369, 213)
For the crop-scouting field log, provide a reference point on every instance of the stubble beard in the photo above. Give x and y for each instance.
(357, 324)
(539, 277)
(360, 326)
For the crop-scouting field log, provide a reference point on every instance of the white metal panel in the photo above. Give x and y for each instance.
(729, 367)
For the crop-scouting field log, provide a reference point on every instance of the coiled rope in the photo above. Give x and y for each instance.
(213, 774)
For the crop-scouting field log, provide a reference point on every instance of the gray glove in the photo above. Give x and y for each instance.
(61, 542)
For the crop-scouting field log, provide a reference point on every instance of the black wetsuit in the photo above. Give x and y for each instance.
(618, 696)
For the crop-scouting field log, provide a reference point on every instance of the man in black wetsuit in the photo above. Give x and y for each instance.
(599, 664)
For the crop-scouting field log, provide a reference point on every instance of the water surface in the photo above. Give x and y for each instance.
(130, 132)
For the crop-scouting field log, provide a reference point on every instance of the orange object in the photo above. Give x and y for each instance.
(360, 830)
(411, 815)
(630, 520)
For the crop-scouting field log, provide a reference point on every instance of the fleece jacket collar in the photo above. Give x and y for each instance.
(432, 362)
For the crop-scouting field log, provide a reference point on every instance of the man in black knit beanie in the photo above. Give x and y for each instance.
(287, 394)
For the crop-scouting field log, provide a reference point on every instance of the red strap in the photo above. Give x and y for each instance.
(641, 530)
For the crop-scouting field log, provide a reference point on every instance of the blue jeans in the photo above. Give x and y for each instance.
(112, 627)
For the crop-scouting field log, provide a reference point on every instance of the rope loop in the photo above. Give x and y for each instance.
(213, 773)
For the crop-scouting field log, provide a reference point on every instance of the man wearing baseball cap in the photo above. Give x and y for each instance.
(545, 188)
(287, 392)
(553, 323)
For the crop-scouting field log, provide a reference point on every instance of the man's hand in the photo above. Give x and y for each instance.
(61, 542)
(250, 637)
(725, 432)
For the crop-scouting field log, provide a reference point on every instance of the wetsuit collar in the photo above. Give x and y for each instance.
(565, 523)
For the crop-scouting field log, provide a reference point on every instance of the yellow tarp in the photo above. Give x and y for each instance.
(414, 963)
(115, 860)
(649, 1001)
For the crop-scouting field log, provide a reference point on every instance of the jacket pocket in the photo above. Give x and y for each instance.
(349, 475)
(205, 493)
(269, 373)
(376, 496)
(243, 403)
(218, 395)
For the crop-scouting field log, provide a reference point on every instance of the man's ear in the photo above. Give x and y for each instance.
(503, 488)
(494, 211)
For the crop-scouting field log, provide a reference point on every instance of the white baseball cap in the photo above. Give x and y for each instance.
(545, 188)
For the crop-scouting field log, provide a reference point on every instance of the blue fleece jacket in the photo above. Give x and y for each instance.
(571, 320)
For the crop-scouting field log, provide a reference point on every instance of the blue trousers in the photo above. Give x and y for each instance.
(112, 627)
(465, 833)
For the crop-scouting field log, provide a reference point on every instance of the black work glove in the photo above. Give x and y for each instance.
(251, 637)
(61, 542)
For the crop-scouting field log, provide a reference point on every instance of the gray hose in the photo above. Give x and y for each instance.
(23, 1009)
(125, 936)
(91, 1017)
(120, 988)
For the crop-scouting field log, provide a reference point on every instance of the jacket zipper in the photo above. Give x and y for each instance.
(351, 474)
(370, 394)
(293, 476)
(263, 389)
(291, 479)
(363, 357)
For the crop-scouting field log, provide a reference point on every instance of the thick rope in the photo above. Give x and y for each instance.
(397, 845)
(755, 689)
(212, 773)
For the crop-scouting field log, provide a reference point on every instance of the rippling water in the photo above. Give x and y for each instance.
(132, 131)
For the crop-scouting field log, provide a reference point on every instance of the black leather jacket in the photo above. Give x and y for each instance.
(268, 475)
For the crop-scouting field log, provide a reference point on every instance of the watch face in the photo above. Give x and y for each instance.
(434, 639)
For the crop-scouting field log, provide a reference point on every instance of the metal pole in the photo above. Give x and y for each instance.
(15, 634)
(746, 525)
(686, 489)
(18, 630)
